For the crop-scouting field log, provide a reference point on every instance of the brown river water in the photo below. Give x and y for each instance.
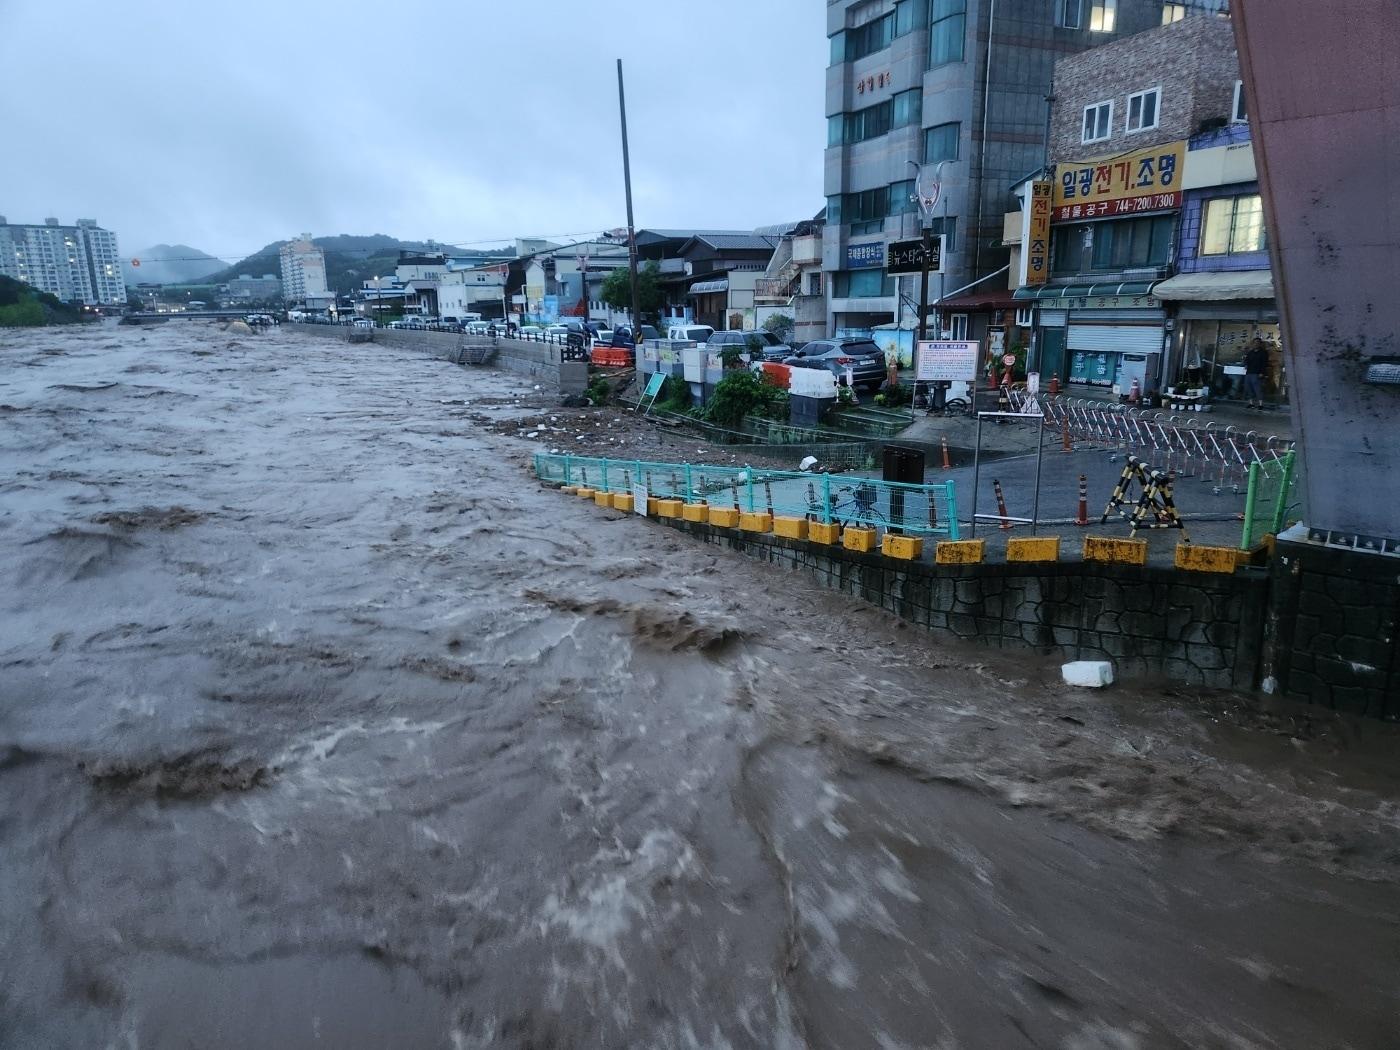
(321, 724)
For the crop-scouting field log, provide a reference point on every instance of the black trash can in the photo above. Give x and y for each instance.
(905, 465)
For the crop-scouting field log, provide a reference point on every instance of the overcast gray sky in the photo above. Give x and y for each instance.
(226, 126)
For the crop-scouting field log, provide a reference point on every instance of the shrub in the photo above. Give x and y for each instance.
(741, 393)
(674, 396)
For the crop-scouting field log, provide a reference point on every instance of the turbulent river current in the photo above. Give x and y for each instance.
(322, 724)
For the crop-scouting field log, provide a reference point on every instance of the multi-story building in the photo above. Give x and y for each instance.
(792, 285)
(247, 288)
(76, 263)
(1119, 131)
(956, 83)
(303, 270)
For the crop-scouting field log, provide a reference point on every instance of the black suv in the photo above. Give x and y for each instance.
(859, 354)
(765, 343)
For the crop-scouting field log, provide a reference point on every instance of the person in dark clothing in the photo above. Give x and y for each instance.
(1256, 364)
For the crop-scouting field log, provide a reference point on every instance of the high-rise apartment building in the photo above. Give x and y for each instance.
(303, 269)
(961, 83)
(77, 263)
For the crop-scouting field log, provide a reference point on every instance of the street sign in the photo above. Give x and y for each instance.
(908, 256)
(946, 360)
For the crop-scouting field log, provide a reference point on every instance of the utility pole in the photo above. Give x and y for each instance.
(631, 229)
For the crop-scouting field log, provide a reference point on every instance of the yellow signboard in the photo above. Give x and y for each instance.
(1038, 235)
(1145, 180)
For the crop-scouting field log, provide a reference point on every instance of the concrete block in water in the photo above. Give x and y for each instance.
(1091, 674)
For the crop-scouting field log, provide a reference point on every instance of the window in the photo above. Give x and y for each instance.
(861, 284)
(902, 197)
(1124, 244)
(909, 15)
(1142, 110)
(1024, 316)
(1069, 14)
(835, 129)
(1172, 13)
(1234, 224)
(869, 38)
(868, 123)
(957, 327)
(866, 211)
(947, 227)
(947, 28)
(941, 143)
(1103, 15)
(1238, 112)
(908, 108)
(833, 210)
(1098, 121)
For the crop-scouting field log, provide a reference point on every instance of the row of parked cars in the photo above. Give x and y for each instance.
(857, 356)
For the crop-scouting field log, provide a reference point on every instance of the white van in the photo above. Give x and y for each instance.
(697, 333)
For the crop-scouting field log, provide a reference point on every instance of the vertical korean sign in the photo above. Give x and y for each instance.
(1038, 236)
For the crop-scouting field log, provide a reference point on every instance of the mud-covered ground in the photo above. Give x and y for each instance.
(322, 725)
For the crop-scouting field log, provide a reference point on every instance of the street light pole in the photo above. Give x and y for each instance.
(631, 230)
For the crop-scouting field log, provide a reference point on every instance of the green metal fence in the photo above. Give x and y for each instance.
(1269, 496)
(919, 510)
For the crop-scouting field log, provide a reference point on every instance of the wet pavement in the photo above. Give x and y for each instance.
(321, 724)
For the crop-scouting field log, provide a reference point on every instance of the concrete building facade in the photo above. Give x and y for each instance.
(78, 264)
(961, 83)
(303, 269)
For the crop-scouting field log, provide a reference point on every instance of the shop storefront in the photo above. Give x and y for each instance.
(1098, 335)
(1215, 318)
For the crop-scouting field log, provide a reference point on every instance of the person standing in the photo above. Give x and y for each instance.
(1256, 364)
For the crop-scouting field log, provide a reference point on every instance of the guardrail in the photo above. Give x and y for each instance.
(1186, 447)
(919, 510)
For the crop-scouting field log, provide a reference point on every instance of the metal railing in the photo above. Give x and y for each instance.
(1186, 447)
(920, 510)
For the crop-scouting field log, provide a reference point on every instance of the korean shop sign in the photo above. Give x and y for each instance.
(865, 256)
(1146, 180)
(1038, 234)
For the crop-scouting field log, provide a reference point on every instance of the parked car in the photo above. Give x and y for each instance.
(363, 322)
(699, 333)
(622, 335)
(858, 354)
(758, 345)
(530, 331)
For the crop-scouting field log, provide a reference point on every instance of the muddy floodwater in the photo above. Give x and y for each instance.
(322, 725)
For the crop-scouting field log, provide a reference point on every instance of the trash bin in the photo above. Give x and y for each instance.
(905, 465)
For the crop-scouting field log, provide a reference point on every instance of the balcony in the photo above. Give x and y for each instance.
(807, 251)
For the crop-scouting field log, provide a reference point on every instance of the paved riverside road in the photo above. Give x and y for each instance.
(323, 724)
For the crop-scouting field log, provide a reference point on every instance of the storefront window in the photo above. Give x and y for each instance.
(861, 284)
(1213, 356)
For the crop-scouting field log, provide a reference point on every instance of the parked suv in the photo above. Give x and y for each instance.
(756, 344)
(858, 354)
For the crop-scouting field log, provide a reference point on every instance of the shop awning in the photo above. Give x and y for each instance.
(995, 300)
(1081, 291)
(1204, 287)
(700, 287)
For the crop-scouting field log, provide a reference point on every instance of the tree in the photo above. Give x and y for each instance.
(780, 325)
(617, 289)
(133, 301)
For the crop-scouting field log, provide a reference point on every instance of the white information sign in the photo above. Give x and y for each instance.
(951, 360)
(639, 498)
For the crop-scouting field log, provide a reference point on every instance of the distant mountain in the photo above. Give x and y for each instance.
(170, 264)
(350, 259)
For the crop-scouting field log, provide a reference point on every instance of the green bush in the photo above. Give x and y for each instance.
(674, 396)
(598, 391)
(894, 395)
(741, 393)
(24, 314)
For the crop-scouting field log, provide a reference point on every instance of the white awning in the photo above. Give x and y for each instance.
(1232, 284)
(700, 287)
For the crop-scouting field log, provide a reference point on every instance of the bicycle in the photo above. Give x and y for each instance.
(862, 502)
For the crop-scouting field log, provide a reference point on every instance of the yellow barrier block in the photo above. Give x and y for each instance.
(858, 538)
(603, 499)
(819, 533)
(568, 490)
(696, 512)
(1207, 559)
(652, 501)
(670, 508)
(724, 517)
(910, 548)
(959, 552)
(583, 492)
(756, 521)
(1259, 554)
(792, 528)
(1033, 548)
(1123, 552)
(624, 501)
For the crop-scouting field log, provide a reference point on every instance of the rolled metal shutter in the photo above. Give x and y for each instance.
(1116, 338)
